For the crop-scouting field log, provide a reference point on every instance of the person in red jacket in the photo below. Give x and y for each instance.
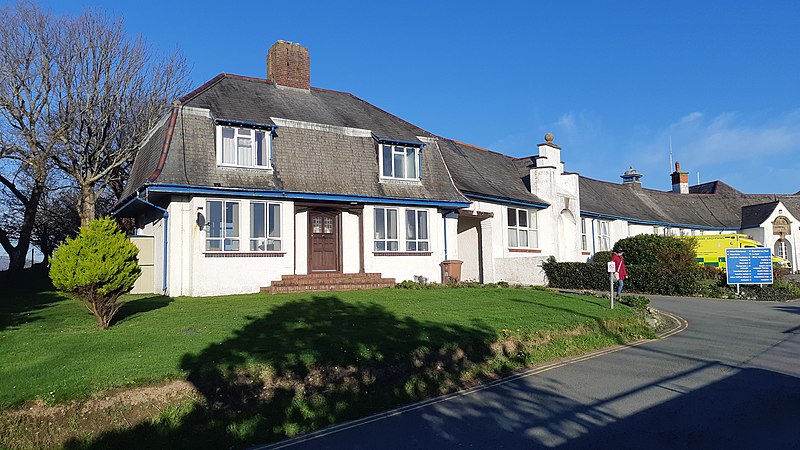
(619, 264)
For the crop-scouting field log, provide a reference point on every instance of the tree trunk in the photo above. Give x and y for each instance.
(20, 252)
(86, 204)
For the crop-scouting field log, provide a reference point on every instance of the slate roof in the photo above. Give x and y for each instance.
(755, 215)
(257, 100)
(308, 159)
(327, 161)
(715, 187)
(479, 171)
(718, 206)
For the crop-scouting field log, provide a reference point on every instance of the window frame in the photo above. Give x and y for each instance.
(418, 242)
(386, 240)
(267, 237)
(223, 237)
(531, 228)
(603, 240)
(584, 234)
(395, 151)
(238, 133)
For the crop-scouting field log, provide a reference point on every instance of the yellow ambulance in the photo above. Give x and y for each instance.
(710, 249)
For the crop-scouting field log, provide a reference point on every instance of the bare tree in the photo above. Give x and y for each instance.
(31, 105)
(118, 89)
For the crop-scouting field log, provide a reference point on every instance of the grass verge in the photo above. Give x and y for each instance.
(265, 367)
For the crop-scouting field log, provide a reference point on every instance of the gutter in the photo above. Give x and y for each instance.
(507, 201)
(653, 222)
(295, 195)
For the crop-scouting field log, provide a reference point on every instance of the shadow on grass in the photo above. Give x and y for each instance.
(304, 365)
(23, 294)
(132, 308)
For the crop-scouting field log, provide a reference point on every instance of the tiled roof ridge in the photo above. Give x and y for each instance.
(658, 191)
(162, 159)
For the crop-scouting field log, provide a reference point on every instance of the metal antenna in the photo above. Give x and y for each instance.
(670, 154)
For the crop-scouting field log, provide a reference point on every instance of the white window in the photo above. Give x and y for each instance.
(243, 147)
(265, 227)
(584, 234)
(417, 231)
(603, 236)
(386, 230)
(222, 230)
(403, 163)
(522, 230)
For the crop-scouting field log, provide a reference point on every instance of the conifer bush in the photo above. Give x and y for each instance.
(97, 267)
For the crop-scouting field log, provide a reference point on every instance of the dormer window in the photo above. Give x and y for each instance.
(244, 147)
(400, 162)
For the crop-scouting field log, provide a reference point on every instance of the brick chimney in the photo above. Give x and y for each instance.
(680, 180)
(288, 64)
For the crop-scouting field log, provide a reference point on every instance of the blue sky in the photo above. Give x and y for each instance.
(612, 80)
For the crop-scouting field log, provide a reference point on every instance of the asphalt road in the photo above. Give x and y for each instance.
(730, 378)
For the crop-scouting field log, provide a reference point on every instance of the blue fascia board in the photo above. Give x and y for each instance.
(506, 201)
(384, 140)
(653, 222)
(264, 126)
(293, 195)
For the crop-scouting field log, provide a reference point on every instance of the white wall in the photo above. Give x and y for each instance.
(406, 266)
(195, 272)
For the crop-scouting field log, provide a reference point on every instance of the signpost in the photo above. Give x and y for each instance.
(749, 265)
(612, 268)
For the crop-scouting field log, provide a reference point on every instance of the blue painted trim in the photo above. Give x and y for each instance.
(293, 195)
(507, 201)
(381, 140)
(651, 222)
(239, 123)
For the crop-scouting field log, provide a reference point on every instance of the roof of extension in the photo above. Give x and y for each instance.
(338, 157)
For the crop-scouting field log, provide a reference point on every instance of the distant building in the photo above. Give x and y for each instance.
(270, 184)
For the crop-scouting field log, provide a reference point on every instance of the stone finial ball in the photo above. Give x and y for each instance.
(548, 137)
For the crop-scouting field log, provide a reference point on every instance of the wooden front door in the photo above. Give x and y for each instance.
(324, 241)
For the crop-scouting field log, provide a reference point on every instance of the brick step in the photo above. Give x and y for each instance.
(322, 282)
(329, 275)
(325, 287)
(313, 281)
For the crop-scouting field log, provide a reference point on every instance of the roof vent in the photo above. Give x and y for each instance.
(631, 176)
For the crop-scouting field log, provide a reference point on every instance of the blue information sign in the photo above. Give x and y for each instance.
(749, 265)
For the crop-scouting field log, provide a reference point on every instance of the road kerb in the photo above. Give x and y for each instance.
(679, 325)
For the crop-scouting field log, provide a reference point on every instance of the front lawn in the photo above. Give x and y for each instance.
(268, 366)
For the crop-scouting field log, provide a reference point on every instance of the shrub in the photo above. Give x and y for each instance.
(635, 301)
(778, 292)
(573, 275)
(656, 264)
(97, 266)
(655, 249)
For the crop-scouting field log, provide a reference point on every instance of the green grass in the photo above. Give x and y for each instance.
(425, 340)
